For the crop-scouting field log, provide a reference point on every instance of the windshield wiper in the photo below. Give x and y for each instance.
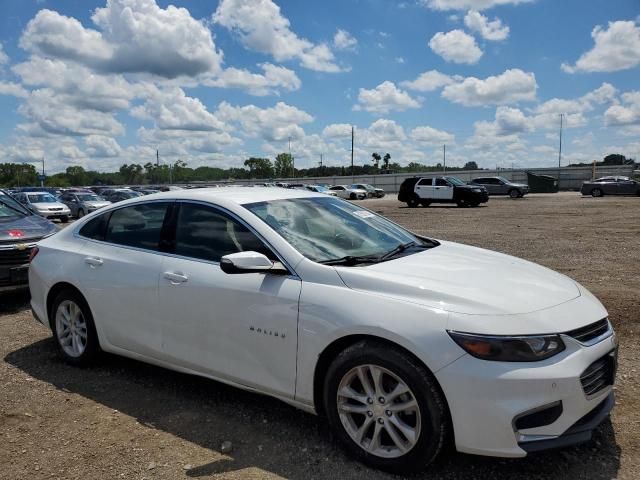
(401, 248)
(350, 260)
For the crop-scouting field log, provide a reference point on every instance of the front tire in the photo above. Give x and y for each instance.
(386, 408)
(81, 213)
(353, 196)
(514, 193)
(73, 328)
(64, 219)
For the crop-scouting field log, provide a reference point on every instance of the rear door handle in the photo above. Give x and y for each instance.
(93, 261)
(175, 278)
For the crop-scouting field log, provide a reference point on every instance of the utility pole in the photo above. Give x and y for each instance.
(42, 181)
(444, 158)
(320, 162)
(352, 135)
(157, 158)
(293, 162)
(560, 149)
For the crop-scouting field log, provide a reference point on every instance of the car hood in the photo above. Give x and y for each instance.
(97, 204)
(32, 227)
(463, 279)
(523, 185)
(48, 205)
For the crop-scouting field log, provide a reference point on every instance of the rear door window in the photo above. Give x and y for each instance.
(441, 182)
(137, 225)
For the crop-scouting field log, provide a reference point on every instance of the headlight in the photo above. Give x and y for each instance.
(509, 348)
(476, 190)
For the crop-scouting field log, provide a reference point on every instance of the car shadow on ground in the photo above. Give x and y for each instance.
(15, 301)
(268, 434)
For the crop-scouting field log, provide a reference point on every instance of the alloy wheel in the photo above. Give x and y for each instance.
(71, 328)
(378, 411)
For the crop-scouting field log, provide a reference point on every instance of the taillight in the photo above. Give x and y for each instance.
(34, 252)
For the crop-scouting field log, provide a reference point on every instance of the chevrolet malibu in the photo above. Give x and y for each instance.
(404, 343)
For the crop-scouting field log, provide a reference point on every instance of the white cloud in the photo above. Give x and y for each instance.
(52, 114)
(343, 40)
(137, 37)
(3, 56)
(385, 98)
(511, 120)
(492, 30)
(13, 89)
(337, 130)
(429, 81)
(82, 87)
(626, 114)
(272, 124)
(261, 27)
(171, 109)
(386, 130)
(430, 136)
(509, 87)
(274, 77)
(456, 46)
(101, 146)
(616, 48)
(469, 4)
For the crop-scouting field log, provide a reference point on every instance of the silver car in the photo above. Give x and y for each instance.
(81, 203)
(45, 205)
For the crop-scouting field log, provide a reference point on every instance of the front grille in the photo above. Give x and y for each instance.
(15, 257)
(589, 332)
(54, 209)
(599, 375)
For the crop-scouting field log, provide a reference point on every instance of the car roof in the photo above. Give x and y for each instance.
(238, 195)
(38, 193)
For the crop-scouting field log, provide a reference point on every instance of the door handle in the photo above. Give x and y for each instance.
(93, 261)
(175, 278)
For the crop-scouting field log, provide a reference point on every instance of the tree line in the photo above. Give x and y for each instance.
(24, 174)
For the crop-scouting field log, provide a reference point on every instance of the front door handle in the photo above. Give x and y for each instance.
(93, 261)
(175, 278)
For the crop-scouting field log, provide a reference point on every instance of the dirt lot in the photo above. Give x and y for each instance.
(124, 419)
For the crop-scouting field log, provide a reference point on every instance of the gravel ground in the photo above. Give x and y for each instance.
(125, 419)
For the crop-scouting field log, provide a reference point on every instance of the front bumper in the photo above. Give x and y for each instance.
(485, 399)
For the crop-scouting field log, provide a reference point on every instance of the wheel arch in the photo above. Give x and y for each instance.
(332, 350)
(53, 293)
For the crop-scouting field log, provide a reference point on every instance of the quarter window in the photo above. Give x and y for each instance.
(208, 234)
(95, 228)
(137, 226)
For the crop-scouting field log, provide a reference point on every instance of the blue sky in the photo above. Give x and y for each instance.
(103, 83)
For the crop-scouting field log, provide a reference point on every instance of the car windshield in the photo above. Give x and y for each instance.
(41, 198)
(454, 181)
(88, 197)
(327, 229)
(10, 208)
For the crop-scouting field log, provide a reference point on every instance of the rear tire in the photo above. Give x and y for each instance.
(414, 201)
(596, 192)
(81, 213)
(401, 433)
(73, 329)
(353, 196)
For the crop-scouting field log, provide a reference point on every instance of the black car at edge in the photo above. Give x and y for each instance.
(20, 229)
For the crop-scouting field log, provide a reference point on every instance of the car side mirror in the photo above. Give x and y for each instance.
(250, 262)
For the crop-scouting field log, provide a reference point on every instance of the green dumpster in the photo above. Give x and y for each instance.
(542, 183)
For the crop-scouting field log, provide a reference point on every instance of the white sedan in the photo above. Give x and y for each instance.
(344, 191)
(403, 342)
